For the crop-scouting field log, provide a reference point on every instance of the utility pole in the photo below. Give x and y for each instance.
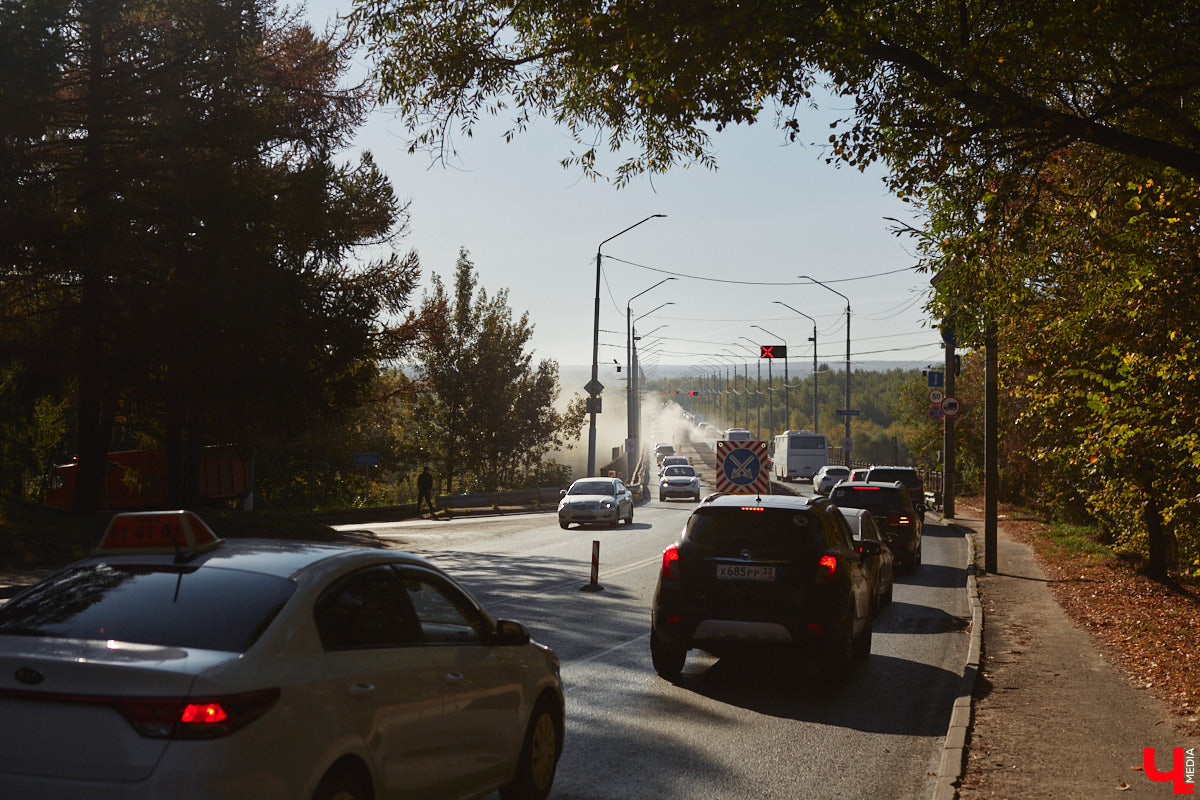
(950, 339)
(990, 456)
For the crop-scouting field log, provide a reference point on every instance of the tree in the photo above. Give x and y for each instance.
(487, 413)
(933, 82)
(184, 230)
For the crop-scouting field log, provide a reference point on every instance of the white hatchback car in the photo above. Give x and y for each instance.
(175, 664)
(828, 477)
(606, 501)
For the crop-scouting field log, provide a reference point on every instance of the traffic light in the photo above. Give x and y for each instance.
(772, 351)
(691, 392)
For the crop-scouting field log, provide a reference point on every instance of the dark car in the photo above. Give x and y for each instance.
(878, 557)
(906, 475)
(892, 507)
(762, 573)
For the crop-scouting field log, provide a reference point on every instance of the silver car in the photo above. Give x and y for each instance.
(604, 501)
(171, 663)
(679, 479)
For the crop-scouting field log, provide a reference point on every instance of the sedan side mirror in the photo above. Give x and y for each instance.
(510, 633)
(562, 492)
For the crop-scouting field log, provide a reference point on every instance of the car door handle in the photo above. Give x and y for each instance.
(454, 676)
(362, 688)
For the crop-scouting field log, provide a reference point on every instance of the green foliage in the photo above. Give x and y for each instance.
(178, 246)
(934, 84)
(484, 412)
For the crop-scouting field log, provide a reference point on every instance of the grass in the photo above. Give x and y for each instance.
(1077, 540)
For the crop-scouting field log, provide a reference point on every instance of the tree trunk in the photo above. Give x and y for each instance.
(1159, 541)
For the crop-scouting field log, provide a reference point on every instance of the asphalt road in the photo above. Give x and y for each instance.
(728, 729)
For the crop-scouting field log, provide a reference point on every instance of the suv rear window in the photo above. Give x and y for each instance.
(205, 608)
(729, 525)
(876, 499)
(908, 477)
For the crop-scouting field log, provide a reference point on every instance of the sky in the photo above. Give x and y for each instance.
(772, 211)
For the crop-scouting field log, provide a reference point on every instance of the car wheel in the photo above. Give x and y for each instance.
(668, 659)
(539, 755)
(344, 782)
(660, 497)
(629, 519)
(862, 642)
(887, 596)
(563, 525)
(696, 497)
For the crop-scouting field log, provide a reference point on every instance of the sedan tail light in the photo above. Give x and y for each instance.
(194, 717)
(670, 562)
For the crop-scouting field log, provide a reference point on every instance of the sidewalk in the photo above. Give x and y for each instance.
(1052, 717)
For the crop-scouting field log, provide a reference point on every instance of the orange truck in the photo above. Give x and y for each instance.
(138, 479)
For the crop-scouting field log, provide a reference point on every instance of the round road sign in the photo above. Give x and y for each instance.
(935, 413)
(741, 466)
(936, 396)
(950, 405)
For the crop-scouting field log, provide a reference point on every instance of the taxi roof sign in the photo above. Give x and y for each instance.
(178, 532)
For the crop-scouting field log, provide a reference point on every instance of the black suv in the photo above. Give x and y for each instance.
(906, 475)
(762, 572)
(892, 507)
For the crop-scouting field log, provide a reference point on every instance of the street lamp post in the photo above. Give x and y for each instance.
(847, 441)
(787, 409)
(745, 381)
(594, 386)
(758, 384)
(816, 423)
(729, 412)
(633, 420)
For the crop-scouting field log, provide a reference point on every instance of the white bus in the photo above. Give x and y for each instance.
(799, 454)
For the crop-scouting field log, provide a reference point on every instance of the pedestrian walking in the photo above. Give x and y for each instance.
(425, 490)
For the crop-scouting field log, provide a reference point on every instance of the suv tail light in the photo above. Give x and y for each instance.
(670, 562)
(898, 519)
(826, 568)
(194, 717)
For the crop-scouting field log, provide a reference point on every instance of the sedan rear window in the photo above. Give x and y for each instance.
(206, 608)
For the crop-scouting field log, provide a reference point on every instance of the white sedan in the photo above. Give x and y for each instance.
(173, 664)
(679, 480)
(606, 501)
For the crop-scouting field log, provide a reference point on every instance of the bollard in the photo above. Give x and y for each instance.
(594, 586)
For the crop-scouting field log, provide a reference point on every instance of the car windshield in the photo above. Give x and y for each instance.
(875, 499)
(837, 472)
(593, 487)
(680, 471)
(170, 606)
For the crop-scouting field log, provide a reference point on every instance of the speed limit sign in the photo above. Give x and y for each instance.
(950, 406)
(936, 396)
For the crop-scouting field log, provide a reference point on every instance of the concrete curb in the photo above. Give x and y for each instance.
(952, 765)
